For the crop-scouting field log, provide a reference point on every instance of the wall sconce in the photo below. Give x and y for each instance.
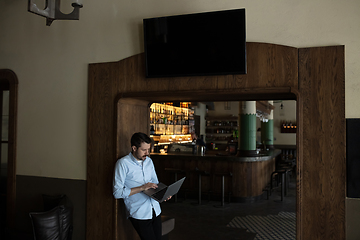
(52, 10)
(281, 111)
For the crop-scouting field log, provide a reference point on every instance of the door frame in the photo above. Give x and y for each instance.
(9, 79)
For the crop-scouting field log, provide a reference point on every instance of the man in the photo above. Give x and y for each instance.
(135, 173)
(196, 140)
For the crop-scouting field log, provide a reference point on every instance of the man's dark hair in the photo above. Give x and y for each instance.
(138, 138)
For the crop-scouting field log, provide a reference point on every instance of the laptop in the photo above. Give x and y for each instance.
(163, 192)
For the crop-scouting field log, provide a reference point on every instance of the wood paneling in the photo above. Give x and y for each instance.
(269, 66)
(101, 152)
(252, 177)
(272, 74)
(132, 116)
(322, 144)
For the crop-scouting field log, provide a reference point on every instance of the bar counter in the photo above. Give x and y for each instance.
(250, 175)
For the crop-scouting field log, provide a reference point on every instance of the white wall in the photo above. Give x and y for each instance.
(51, 62)
(287, 114)
(219, 109)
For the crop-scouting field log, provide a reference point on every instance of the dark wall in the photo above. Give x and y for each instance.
(29, 199)
(353, 157)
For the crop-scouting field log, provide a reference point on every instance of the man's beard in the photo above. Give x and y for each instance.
(140, 157)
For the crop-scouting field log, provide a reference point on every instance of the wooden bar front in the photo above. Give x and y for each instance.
(250, 175)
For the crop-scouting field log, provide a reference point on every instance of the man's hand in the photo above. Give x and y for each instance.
(144, 187)
(148, 186)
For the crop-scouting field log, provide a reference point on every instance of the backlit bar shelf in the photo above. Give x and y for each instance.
(166, 119)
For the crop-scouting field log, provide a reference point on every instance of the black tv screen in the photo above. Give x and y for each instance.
(210, 43)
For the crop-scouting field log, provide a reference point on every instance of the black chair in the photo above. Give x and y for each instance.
(52, 225)
(56, 221)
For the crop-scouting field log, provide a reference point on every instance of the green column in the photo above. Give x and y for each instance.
(248, 126)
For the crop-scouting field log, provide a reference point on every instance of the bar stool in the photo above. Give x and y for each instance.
(283, 172)
(175, 171)
(201, 173)
(223, 175)
(288, 170)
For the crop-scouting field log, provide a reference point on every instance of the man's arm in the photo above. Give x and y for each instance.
(144, 187)
(119, 190)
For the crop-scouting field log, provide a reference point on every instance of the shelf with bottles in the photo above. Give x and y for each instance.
(221, 121)
(222, 139)
(288, 127)
(166, 119)
(221, 128)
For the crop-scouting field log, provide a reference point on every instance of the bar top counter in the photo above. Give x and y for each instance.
(216, 155)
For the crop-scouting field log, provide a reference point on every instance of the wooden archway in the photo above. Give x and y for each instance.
(315, 77)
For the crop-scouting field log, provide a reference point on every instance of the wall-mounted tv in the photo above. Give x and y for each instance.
(210, 43)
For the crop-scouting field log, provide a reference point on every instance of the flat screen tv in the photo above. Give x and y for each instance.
(199, 44)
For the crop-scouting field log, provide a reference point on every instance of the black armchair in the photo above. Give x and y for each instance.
(53, 224)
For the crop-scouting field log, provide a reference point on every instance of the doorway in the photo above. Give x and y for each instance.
(8, 111)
